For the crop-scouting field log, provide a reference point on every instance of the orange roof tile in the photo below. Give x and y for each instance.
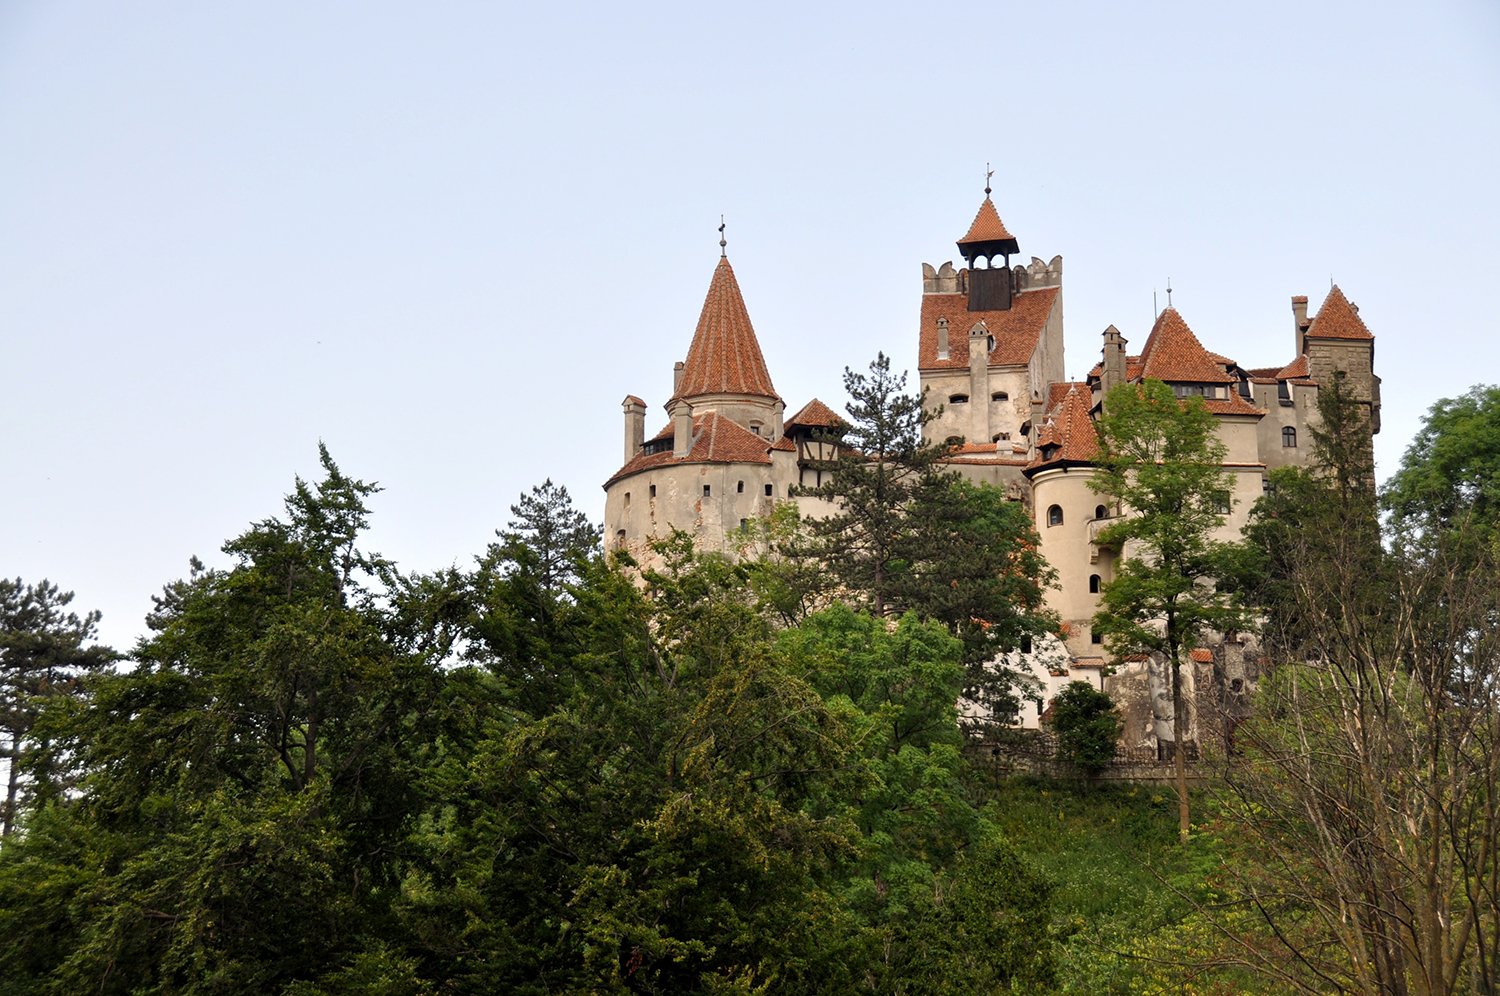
(987, 226)
(1016, 331)
(1173, 354)
(1233, 405)
(1071, 430)
(725, 356)
(631, 399)
(716, 439)
(1338, 319)
(817, 414)
(1294, 370)
(1203, 655)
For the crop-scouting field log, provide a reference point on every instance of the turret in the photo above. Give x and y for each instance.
(990, 286)
(1112, 371)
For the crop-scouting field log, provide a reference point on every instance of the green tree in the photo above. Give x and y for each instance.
(1449, 480)
(45, 650)
(864, 542)
(1161, 458)
(1087, 726)
(245, 788)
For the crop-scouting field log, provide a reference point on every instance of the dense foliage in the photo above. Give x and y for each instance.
(321, 776)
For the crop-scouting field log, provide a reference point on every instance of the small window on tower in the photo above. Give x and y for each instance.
(1054, 515)
(1289, 437)
(958, 399)
(1100, 512)
(653, 491)
(707, 490)
(1095, 637)
(740, 489)
(770, 490)
(1026, 644)
(1094, 583)
(1000, 396)
(627, 501)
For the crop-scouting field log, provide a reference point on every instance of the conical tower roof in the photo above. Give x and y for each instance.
(1338, 319)
(1173, 354)
(725, 356)
(988, 234)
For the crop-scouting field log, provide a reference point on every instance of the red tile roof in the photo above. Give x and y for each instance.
(725, 356)
(1070, 430)
(987, 226)
(1173, 354)
(1294, 370)
(631, 399)
(1338, 319)
(1016, 331)
(716, 439)
(817, 415)
(1203, 655)
(1234, 405)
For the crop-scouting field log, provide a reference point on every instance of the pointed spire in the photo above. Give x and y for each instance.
(1338, 318)
(1173, 354)
(725, 356)
(988, 229)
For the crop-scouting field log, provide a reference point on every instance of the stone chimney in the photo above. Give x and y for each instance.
(980, 342)
(682, 425)
(677, 369)
(635, 425)
(942, 326)
(1112, 371)
(1299, 318)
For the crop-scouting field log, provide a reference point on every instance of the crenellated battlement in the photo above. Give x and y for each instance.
(947, 279)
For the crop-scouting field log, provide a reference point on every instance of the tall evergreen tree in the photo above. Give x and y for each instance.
(45, 650)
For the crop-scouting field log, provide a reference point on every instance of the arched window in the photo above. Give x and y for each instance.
(1288, 437)
(1054, 515)
(1000, 396)
(958, 399)
(1094, 584)
(1100, 512)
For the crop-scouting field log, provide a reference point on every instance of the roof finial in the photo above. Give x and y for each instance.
(723, 245)
(1169, 292)
(988, 173)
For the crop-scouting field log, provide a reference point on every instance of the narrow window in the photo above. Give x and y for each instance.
(958, 399)
(741, 489)
(1289, 437)
(627, 501)
(707, 490)
(744, 523)
(1054, 515)
(1096, 638)
(1026, 644)
(1038, 707)
(653, 491)
(1000, 396)
(1094, 583)
(770, 490)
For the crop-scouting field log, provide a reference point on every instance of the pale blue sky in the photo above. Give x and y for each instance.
(448, 238)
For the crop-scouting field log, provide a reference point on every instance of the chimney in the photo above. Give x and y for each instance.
(980, 342)
(682, 424)
(1112, 371)
(677, 369)
(1299, 319)
(635, 425)
(942, 324)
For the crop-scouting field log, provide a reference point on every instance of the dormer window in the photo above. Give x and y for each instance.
(756, 427)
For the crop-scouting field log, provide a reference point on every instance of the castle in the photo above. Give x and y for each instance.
(990, 360)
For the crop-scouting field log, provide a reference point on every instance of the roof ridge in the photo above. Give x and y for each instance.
(1173, 352)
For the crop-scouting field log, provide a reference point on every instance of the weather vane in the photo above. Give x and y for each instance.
(723, 245)
(1169, 292)
(988, 173)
